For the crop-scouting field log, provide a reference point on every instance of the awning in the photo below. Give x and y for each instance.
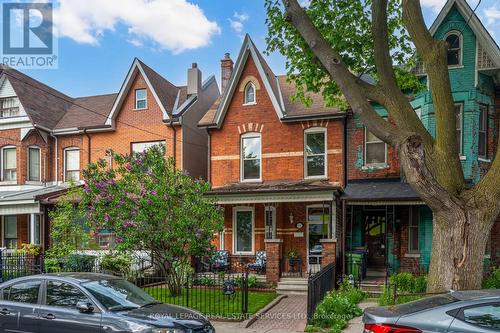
(25, 201)
(380, 193)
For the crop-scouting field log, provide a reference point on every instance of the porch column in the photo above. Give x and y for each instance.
(273, 252)
(329, 246)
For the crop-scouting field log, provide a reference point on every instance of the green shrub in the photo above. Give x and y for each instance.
(493, 280)
(405, 283)
(116, 263)
(52, 265)
(77, 263)
(312, 328)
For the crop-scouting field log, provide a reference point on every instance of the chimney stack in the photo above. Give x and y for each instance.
(194, 80)
(226, 65)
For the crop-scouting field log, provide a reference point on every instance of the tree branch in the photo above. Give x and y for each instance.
(351, 86)
(434, 55)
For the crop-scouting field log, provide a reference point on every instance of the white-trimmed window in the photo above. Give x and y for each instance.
(141, 99)
(270, 221)
(34, 164)
(251, 158)
(140, 147)
(454, 48)
(9, 164)
(315, 152)
(482, 148)
(243, 230)
(413, 224)
(375, 150)
(459, 124)
(10, 231)
(9, 107)
(71, 164)
(249, 93)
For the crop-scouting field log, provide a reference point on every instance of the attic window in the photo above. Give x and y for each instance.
(249, 94)
(140, 99)
(454, 49)
(9, 107)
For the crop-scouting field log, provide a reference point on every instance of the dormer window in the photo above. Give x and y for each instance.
(9, 107)
(141, 99)
(454, 49)
(249, 93)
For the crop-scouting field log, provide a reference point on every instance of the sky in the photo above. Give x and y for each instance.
(98, 39)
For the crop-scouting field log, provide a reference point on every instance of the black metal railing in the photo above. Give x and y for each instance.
(13, 265)
(318, 285)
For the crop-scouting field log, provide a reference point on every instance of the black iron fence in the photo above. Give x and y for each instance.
(13, 265)
(318, 285)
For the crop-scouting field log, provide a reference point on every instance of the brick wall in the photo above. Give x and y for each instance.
(282, 143)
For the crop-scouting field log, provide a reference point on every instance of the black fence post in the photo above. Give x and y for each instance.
(187, 290)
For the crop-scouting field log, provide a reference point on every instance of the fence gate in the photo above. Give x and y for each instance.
(318, 285)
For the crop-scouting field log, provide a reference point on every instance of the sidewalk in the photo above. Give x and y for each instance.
(355, 325)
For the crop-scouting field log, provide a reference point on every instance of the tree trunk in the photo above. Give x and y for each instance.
(458, 248)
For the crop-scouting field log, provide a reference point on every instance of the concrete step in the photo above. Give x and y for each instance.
(292, 286)
(375, 273)
(371, 287)
(293, 281)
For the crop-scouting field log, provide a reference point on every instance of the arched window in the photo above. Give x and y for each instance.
(250, 93)
(454, 49)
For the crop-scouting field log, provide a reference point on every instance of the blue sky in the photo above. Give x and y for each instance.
(97, 42)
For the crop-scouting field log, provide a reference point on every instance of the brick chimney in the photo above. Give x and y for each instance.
(226, 65)
(193, 80)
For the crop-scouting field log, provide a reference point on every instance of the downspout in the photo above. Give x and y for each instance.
(88, 145)
(56, 157)
(174, 139)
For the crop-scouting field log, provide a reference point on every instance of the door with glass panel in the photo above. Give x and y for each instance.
(243, 231)
(10, 231)
(318, 221)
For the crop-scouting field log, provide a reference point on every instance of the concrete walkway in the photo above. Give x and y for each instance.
(288, 316)
(355, 325)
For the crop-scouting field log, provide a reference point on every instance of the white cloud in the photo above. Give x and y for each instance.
(435, 5)
(492, 15)
(175, 25)
(237, 23)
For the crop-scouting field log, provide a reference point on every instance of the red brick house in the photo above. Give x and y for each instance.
(276, 167)
(47, 138)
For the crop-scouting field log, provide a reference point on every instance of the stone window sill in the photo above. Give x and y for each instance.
(463, 158)
(412, 255)
(374, 167)
(485, 160)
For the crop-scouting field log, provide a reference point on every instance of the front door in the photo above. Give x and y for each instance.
(318, 221)
(374, 224)
(59, 313)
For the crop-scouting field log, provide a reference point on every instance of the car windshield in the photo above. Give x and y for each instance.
(118, 295)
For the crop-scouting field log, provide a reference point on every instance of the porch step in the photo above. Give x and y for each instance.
(372, 289)
(376, 273)
(292, 286)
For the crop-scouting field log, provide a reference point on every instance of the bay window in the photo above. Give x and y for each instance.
(251, 166)
(315, 153)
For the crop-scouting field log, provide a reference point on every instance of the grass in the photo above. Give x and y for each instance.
(212, 302)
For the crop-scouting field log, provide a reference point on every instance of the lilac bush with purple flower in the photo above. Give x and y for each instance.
(152, 206)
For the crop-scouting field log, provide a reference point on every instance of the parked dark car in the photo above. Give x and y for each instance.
(89, 303)
(458, 312)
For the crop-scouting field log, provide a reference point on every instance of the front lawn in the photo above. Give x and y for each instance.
(212, 302)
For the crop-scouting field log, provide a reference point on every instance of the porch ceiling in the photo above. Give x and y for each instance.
(24, 201)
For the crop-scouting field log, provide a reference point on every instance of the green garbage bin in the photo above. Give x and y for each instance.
(354, 264)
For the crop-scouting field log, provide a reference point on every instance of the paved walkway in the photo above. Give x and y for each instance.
(287, 316)
(355, 324)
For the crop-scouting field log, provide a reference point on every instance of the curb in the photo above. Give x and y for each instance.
(247, 323)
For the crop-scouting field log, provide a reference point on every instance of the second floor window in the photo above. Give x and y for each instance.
(459, 123)
(9, 107)
(454, 49)
(482, 148)
(251, 157)
(315, 150)
(72, 164)
(249, 93)
(375, 150)
(34, 164)
(141, 99)
(140, 147)
(9, 164)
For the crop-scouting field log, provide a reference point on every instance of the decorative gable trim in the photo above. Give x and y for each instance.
(125, 88)
(247, 49)
(484, 38)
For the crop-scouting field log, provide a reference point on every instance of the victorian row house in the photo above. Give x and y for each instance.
(47, 138)
(304, 182)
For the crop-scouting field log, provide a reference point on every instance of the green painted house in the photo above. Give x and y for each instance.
(386, 223)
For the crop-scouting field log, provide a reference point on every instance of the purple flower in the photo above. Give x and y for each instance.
(106, 217)
(198, 235)
(154, 192)
(118, 239)
(128, 167)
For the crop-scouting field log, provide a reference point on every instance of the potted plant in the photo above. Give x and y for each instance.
(293, 259)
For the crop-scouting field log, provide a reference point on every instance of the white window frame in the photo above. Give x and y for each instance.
(4, 225)
(242, 159)
(461, 143)
(271, 209)
(2, 160)
(247, 86)
(365, 150)
(235, 236)
(40, 164)
(314, 131)
(153, 143)
(64, 163)
(460, 51)
(411, 226)
(418, 112)
(145, 99)
(485, 131)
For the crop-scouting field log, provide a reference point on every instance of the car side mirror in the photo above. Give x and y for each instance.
(85, 307)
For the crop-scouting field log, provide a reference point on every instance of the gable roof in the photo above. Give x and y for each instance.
(280, 91)
(483, 36)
